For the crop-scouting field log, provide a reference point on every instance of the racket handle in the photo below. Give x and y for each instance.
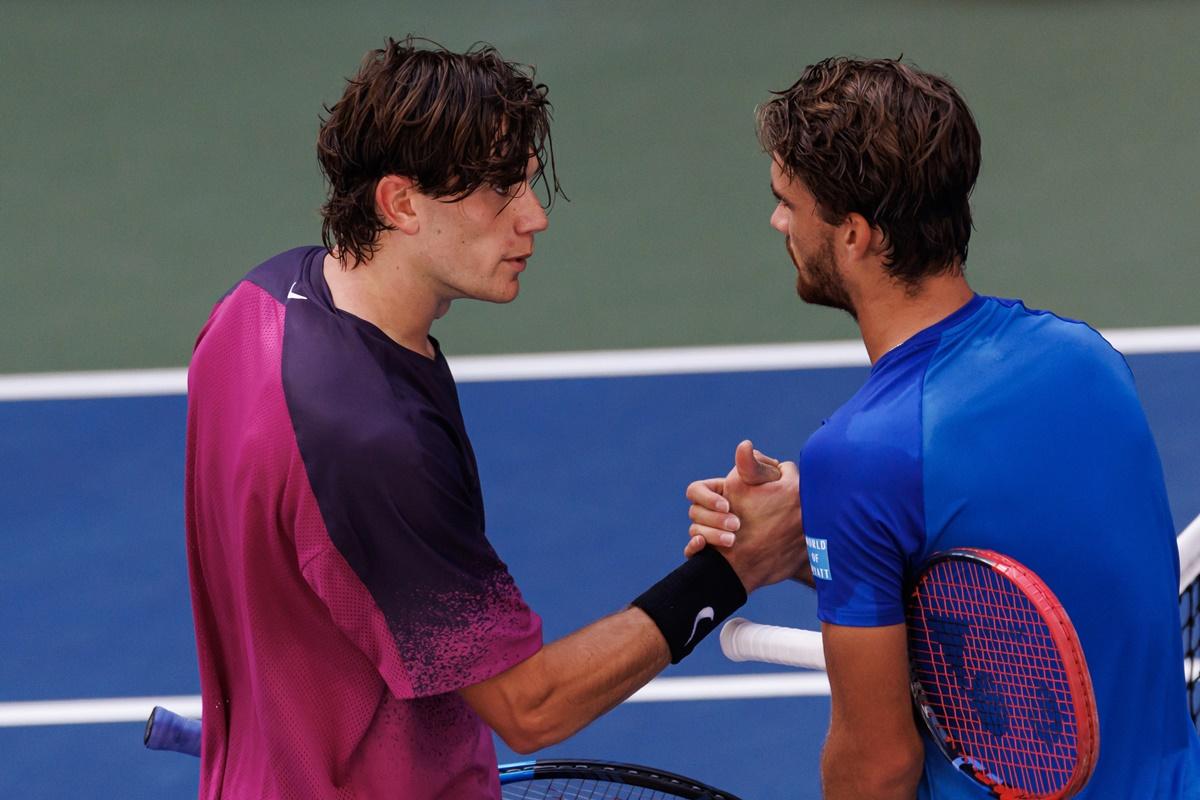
(743, 640)
(166, 730)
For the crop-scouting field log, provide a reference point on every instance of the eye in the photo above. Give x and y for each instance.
(511, 190)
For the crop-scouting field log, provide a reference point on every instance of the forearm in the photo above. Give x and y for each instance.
(571, 681)
(850, 772)
(873, 750)
(594, 669)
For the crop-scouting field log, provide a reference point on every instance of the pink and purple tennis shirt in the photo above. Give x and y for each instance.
(342, 584)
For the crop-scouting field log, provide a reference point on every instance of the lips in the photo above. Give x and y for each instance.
(519, 261)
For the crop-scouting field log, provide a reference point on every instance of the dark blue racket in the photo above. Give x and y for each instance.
(561, 779)
(572, 779)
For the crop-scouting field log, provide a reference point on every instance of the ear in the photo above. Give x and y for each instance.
(859, 239)
(394, 203)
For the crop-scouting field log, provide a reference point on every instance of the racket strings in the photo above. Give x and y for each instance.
(993, 679)
(580, 789)
(551, 779)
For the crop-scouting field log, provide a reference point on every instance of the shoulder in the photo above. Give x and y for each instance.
(862, 469)
(279, 273)
(861, 472)
(879, 425)
(1013, 325)
(244, 333)
(260, 293)
(1008, 345)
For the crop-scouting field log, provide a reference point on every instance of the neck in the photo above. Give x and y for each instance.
(891, 313)
(388, 296)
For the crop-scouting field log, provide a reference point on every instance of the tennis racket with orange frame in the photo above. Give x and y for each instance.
(997, 673)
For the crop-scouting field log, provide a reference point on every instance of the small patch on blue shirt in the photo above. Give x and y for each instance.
(818, 558)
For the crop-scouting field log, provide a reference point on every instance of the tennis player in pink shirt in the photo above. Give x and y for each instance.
(358, 636)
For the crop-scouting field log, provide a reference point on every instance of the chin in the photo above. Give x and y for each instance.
(506, 295)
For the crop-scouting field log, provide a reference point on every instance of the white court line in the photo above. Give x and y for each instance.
(137, 709)
(582, 364)
(110, 383)
(477, 369)
(1134, 341)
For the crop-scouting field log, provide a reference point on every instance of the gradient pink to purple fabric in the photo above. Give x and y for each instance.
(342, 584)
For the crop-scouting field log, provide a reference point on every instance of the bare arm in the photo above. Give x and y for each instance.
(570, 682)
(873, 751)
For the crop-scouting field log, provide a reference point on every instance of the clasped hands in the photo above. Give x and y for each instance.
(753, 516)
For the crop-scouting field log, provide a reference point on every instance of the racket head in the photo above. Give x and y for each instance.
(602, 780)
(999, 676)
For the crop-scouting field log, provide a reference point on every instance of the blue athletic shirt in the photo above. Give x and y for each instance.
(1021, 432)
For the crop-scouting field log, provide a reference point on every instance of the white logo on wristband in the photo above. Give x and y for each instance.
(705, 613)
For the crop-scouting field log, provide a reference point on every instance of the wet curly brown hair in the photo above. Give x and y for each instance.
(452, 122)
(882, 139)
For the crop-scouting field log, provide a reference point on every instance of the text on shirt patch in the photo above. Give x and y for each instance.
(818, 558)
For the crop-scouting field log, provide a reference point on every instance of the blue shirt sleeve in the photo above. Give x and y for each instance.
(861, 494)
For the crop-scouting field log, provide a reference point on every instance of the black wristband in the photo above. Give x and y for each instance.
(693, 600)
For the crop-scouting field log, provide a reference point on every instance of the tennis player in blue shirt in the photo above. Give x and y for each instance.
(983, 423)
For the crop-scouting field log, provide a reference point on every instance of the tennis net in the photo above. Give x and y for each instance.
(1189, 612)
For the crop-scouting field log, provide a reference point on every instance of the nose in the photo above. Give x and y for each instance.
(779, 219)
(531, 217)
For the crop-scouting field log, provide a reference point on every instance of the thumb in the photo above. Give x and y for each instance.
(751, 469)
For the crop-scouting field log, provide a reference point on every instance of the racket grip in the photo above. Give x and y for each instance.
(166, 730)
(743, 640)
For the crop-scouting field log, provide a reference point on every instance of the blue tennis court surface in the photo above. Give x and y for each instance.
(584, 483)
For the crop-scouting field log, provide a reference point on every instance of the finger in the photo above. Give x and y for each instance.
(763, 458)
(708, 493)
(789, 471)
(750, 469)
(694, 545)
(714, 536)
(714, 519)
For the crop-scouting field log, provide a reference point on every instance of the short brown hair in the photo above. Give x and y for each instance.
(887, 141)
(451, 122)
